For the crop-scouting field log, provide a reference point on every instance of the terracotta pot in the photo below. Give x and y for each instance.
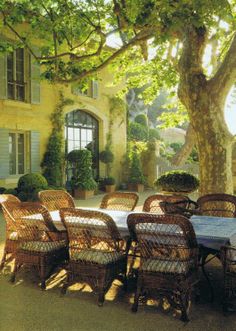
(110, 188)
(83, 194)
(136, 187)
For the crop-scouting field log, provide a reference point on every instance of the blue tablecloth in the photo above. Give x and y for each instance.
(213, 232)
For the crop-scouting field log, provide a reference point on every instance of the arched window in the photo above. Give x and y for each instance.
(81, 131)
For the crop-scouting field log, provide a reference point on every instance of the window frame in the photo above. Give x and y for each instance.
(15, 84)
(16, 133)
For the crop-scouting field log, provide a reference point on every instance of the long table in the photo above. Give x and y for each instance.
(211, 232)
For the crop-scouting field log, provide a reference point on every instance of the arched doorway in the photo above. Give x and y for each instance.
(81, 131)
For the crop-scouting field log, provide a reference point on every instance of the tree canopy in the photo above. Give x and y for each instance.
(162, 42)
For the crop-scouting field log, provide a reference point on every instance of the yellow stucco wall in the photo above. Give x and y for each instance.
(16, 115)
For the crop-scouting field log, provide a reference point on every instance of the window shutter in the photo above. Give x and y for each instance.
(34, 151)
(35, 78)
(94, 89)
(4, 153)
(3, 75)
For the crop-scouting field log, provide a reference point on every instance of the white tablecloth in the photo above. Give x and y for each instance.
(212, 232)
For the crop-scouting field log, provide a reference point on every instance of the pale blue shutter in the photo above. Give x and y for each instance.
(35, 79)
(94, 89)
(3, 75)
(4, 153)
(35, 151)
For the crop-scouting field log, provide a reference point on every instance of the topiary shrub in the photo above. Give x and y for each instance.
(141, 119)
(81, 160)
(29, 185)
(177, 181)
(154, 134)
(109, 181)
(107, 157)
(135, 172)
(137, 132)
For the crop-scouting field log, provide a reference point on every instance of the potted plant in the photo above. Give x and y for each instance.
(136, 178)
(177, 181)
(109, 183)
(82, 182)
(107, 157)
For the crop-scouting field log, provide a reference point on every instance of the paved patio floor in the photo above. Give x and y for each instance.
(23, 306)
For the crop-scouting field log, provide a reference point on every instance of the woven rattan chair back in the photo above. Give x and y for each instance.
(219, 204)
(124, 201)
(56, 199)
(156, 203)
(32, 220)
(168, 257)
(90, 229)
(8, 197)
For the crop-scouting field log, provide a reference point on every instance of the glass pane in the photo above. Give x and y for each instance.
(20, 92)
(77, 134)
(12, 153)
(70, 145)
(89, 135)
(70, 134)
(21, 156)
(10, 67)
(10, 91)
(83, 134)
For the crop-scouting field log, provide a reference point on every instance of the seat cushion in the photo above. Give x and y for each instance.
(42, 246)
(165, 266)
(13, 236)
(95, 256)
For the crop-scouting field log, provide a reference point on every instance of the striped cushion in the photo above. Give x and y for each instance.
(155, 265)
(95, 256)
(42, 246)
(13, 236)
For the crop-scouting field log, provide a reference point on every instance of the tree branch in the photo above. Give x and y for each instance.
(180, 157)
(225, 76)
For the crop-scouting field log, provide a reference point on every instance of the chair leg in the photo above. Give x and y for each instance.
(43, 276)
(136, 299)
(15, 270)
(185, 305)
(101, 298)
(3, 260)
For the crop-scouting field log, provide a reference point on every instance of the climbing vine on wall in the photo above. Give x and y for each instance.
(53, 160)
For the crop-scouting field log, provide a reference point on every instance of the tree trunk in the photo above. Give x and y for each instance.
(181, 156)
(205, 104)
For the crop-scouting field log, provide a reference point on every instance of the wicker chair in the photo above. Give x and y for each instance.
(39, 242)
(170, 204)
(218, 204)
(11, 241)
(95, 248)
(125, 201)
(168, 258)
(56, 199)
(228, 259)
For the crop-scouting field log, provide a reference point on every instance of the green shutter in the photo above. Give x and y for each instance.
(3, 75)
(35, 79)
(94, 89)
(35, 151)
(4, 153)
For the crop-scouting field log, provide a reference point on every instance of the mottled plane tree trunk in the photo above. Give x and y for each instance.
(205, 101)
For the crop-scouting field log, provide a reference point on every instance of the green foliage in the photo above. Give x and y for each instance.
(154, 135)
(109, 181)
(53, 160)
(10, 191)
(193, 157)
(29, 185)
(177, 181)
(141, 119)
(137, 132)
(135, 172)
(82, 163)
(106, 156)
(2, 190)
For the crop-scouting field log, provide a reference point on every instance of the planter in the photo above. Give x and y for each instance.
(83, 194)
(110, 188)
(136, 187)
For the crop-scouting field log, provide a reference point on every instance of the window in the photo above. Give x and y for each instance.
(81, 131)
(17, 147)
(15, 75)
